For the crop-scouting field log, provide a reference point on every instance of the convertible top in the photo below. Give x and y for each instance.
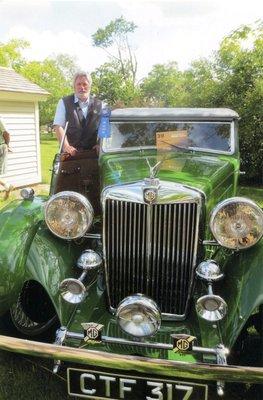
(171, 114)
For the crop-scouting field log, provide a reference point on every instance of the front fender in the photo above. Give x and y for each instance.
(242, 289)
(19, 222)
(50, 260)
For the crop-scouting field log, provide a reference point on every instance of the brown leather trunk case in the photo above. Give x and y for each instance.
(79, 173)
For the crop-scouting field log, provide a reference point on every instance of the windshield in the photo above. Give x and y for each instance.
(208, 136)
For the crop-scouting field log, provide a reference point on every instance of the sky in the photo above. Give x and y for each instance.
(175, 30)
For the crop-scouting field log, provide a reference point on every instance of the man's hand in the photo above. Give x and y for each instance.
(69, 149)
(6, 136)
(96, 148)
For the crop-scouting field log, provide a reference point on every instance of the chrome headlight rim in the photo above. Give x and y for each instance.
(219, 207)
(78, 197)
(148, 305)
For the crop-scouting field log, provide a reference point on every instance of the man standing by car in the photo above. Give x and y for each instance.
(4, 149)
(4, 143)
(82, 112)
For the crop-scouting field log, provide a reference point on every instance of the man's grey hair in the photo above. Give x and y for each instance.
(82, 74)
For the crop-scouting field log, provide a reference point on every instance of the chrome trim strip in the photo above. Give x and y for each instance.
(178, 369)
(162, 346)
(168, 193)
(149, 245)
(93, 236)
(210, 243)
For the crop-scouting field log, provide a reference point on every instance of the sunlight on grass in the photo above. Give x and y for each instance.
(49, 147)
(21, 379)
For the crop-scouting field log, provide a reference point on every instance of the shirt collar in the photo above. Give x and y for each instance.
(76, 100)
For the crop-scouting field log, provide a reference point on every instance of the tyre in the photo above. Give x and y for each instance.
(33, 314)
(246, 352)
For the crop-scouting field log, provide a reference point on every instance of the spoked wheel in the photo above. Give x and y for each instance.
(33, 314)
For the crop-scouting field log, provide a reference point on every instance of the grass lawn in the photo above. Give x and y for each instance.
(49, 147)
(23, 379)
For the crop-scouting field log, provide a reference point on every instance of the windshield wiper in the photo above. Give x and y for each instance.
(178, 147)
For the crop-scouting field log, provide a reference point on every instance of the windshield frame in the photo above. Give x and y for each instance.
(191, 149)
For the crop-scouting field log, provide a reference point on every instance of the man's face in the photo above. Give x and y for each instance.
(82, 88)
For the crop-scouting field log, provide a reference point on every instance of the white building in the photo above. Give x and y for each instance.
(19, 109)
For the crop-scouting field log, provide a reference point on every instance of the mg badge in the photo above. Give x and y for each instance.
(150, 195)
(183, 343)
(92, 332)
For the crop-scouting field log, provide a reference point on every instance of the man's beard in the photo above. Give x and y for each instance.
(83, 96)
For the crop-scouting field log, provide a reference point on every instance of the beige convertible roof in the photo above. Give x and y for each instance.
(149, 114)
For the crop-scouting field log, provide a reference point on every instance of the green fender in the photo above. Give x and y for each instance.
(242, 288)
(49, 261)
(18, 225)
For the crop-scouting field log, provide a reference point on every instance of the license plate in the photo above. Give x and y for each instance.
(104, 385)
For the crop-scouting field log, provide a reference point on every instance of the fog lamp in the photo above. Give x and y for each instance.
(72, 290)
(88, 260)
(139, 316)
(209, 271)
(211, 307)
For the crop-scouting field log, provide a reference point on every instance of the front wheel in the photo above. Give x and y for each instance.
(33, 314)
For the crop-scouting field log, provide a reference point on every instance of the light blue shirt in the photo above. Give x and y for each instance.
(60, 116)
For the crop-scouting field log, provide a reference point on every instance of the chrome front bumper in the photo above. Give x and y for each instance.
(171, 369)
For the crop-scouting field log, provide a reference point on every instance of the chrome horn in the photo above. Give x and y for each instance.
(74, 290)
(210, 307)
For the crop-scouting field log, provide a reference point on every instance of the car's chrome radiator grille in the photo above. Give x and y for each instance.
(151, 250)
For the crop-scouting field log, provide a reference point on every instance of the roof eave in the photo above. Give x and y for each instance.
(20, 95)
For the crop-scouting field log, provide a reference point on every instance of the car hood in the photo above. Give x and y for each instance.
(212, 175)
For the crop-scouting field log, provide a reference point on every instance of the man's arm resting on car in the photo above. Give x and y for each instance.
(67, 148)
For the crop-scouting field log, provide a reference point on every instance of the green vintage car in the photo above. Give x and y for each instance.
(143, 267)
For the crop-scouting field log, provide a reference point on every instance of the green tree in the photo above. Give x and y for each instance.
(200, 85)
(53, 74)
(114, 40)
(110, 85)
(238, 69)
(232, 77)
(11, 53)
(165, 86)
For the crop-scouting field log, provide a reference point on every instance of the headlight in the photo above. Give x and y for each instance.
(68, 215)
(237, 223)
(138, 315)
